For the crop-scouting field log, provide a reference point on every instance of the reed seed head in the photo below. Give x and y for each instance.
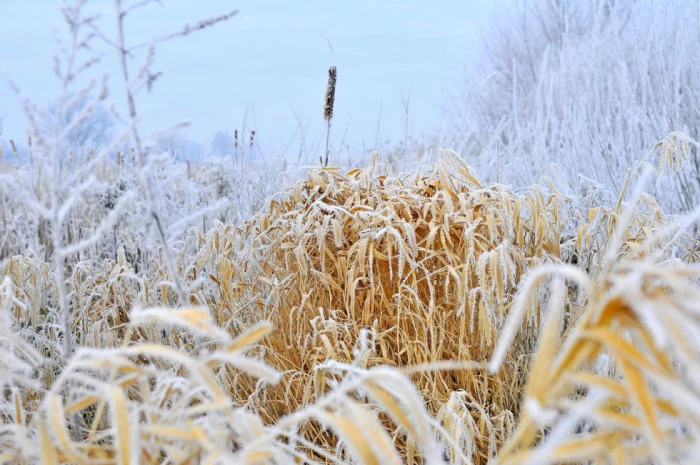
(330, 93)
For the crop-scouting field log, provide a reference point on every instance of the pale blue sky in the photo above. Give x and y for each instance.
(271, 60)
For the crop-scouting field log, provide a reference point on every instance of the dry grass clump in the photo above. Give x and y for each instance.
(428, 263)
(620, 384)
(154, 402)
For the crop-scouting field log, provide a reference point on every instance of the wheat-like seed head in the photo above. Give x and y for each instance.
(330, 93)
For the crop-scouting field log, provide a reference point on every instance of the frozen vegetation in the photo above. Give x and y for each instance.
(522, 288)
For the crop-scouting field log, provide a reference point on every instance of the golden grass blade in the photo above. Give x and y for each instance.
(319, 383)
(389, 403)
(366, 437)
(56, 416)
(547, 347)
(255, 368)
(353, 435)
(121, 426)
(171, 432)
(82, 404)
(520, 307)
(622, 349)
(257, 457)
(591, 448)
(19, 416)
(48, 452)
(199, 371)
(195, 319)
(616, 390)
(639, 393)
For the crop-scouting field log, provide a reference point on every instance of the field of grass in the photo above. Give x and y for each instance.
(158, 311)
(370, 317)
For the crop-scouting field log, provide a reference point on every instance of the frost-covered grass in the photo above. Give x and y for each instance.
(240, 311)
(582, 91)
(369, 317)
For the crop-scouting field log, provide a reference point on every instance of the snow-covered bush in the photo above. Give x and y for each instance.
(589, 86)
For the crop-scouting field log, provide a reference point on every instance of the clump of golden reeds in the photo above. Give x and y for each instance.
(428, 264)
